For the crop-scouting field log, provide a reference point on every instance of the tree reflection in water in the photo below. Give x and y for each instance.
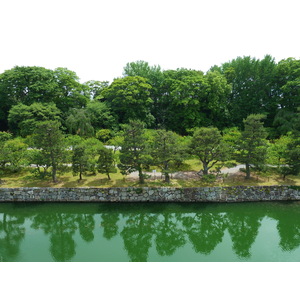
(288, 227)
(205, 231)
(137, 235)
(109, 224)
(86, 225)
(145, 227)
(12, 232)
(243, 228)
(61, 228)
(169, 234)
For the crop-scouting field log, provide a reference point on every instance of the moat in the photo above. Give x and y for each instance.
(150, 232)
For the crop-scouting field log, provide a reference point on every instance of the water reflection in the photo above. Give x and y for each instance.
(12, 231)
(144, 229)
(61, 228)
(137, 235)
(243, 229)
(205, 230)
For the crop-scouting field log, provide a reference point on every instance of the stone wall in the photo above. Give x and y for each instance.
(147, 194)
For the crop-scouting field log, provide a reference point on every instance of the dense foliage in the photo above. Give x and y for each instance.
(244, 110)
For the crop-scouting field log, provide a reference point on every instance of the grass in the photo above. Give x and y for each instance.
(25, 178)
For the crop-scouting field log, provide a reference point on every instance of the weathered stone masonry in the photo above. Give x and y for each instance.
(147, 194)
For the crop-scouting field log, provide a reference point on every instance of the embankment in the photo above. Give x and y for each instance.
(149, 194)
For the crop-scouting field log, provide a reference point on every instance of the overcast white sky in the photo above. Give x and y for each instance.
(96, 38)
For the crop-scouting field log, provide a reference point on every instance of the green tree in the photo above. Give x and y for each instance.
(23, 119)
(70, 92)
(207, 144)
(50, 140)
(252, 145)
(167, 149)
(191, 99)
(155, 77)
(28, 85)
(106, 162)
(101, 115)
(254, 88)
(25, 85)
(288, 82)
(14, 154)
(94, 89)
(129, 98)
(79, 122)
(79, 160)
(134, 154)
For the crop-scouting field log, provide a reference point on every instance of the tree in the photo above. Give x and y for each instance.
(155, 77)
(288, 82)
(207, 144)
(191, 99)
(134, 154)
(25, 85)
(14, 154)
(28, 85)
(166, 149)
(95, 88)
(252, 144)
(254, 88)
(23, 119)
(79, 122)
(129, 98)
(92, 147)
(101, 115)
(106, 162)
(48, 137)
(79, 160)
(70, 92)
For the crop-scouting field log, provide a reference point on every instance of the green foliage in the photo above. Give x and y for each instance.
(92, 147)
(104, 135)
(94, 89)
(78, 122)
(50, 140)
(134, 155)
(209, 178)
(129, 98)
(80, 160)
(28, 85)
(4, 136)
(106, 162)
(207, 144)
(167, 150)
(23, 119)
(101, 116)
(13, 153)
(252, 144)
(254, 88)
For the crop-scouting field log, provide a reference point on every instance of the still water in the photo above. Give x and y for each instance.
(150, 232)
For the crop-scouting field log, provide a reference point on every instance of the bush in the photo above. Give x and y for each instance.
(210, 178)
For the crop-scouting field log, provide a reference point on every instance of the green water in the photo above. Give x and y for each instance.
(150, 232)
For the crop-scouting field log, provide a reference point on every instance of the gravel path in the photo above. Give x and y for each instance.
(185, 175)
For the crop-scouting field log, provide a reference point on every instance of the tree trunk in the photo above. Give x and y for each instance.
(54, 173)
(205, 168)
(247, 171)
(141, 176)
(167, 177)
(108, 176)
(54, 167)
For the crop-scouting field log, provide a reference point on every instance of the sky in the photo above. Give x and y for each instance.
(97, 38)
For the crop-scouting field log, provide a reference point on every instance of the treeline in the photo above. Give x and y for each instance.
(49, 151)
(245, 110)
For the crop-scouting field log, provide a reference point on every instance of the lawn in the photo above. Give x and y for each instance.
(26, 178)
